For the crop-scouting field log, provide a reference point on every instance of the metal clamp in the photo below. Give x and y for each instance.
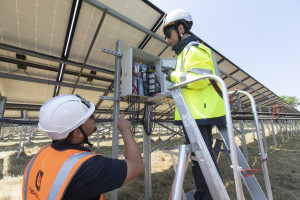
(193, 147)
(110, 98)
(112, 52)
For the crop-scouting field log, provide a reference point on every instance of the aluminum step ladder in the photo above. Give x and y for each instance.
(198, 146)
(202, 154)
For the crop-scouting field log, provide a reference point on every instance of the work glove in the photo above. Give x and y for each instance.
(167, 71)
(168, 76)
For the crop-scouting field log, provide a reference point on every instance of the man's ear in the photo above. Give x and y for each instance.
(77, 133)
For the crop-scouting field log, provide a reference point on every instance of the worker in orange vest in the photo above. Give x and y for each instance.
(66, 169)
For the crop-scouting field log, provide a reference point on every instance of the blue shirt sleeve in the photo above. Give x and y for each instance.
(96, 176)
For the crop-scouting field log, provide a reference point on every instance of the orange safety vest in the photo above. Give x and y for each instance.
(49, 172)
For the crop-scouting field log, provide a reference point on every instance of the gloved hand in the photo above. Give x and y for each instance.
(168, 76)
(167, 71)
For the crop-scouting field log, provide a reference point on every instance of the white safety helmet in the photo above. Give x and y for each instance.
(178, 15)
(63, 114)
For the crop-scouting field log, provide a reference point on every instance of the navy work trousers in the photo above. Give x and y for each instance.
(202, 191)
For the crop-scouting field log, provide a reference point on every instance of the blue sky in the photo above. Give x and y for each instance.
(262, 37)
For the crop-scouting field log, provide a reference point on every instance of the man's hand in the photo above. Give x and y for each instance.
(123, 124)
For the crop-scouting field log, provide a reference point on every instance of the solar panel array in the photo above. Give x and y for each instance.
(40, 30)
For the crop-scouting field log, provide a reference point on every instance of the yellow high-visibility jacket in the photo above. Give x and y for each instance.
(205, 104)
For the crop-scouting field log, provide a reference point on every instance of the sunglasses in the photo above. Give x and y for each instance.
(85, 102)
(168, 30)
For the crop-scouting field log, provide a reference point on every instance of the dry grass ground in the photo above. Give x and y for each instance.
(283, 165)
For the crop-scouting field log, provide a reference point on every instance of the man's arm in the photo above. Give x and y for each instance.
(133, 158)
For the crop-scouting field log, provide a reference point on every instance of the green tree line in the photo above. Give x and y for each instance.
(291, 100)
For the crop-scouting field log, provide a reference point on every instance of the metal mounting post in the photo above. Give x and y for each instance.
(241, 123)
(147, 153)
(116, 110)
(2, 109)
(273, 132)
(286, 129)
(21, 136)
(263, 129)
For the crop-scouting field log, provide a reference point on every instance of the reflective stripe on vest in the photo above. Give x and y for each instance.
(200, 71)
(197, 71)
(63, 174)
(28, 171)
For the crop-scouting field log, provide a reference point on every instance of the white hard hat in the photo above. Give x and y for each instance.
(63, 114)
(177, 16)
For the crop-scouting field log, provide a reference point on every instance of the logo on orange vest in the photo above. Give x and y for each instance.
(38, 180)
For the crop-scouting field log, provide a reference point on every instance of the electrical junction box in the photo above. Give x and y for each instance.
(141, 73)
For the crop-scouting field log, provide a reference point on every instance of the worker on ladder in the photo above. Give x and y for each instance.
(203, 96)
(66, 169)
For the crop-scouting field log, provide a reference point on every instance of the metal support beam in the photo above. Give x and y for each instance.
(263, 130)
(126, 20)
(286, 129)
(247, 86)
(22, 139)
(147, 154)
(52, 58)
(49, 82)
(273, 132)
(2, 109)
(281, 132)
(116, 110)
(241, 123)
(52, 68)
(90, 48)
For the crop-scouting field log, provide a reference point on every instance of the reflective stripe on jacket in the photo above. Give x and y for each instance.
(49, 172)
(204, 102)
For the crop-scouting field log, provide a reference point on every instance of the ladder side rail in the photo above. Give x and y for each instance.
(180, 172)
(263, 156)
(251, 182)
(172, 154)
(236, 171)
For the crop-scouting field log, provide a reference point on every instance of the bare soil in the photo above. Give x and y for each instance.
(283, 165)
